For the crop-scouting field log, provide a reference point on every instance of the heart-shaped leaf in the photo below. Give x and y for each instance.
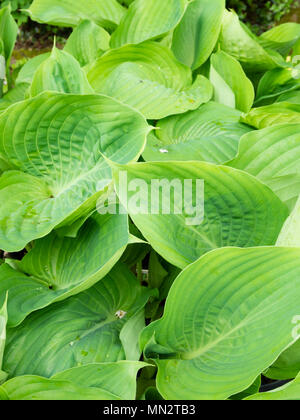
(273, 156)
(54, 144)
(57, 268)
(218, 309)
(70, 13)
(87, 42)
(210, 133)
(86, 328)
(148, 77)
(135, 28)
(238, 209)
(102, 381)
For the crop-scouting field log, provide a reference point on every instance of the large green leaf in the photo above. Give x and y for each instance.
(61, 72)
(274, 83)
(148, 77)
(292, 97)
(17, 94)
(238, 209)
(288, 392)
(287, 366)
(273, 156)
(86, 328)
(3, 323)
(148, 19)
(8, 32)
(54, 144)
(100, 381)
(57, 268)
(87, 42)
(231, 86)
(278, 113)
(237, 40)
(281, 38)
(27, 71)
(218, 309)
(196, 35)
(210, 133)
(70, 13)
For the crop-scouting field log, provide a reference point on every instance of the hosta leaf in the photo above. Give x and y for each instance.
(210, 133)
(100, 381)
(288, 392)
(274, 83)
(196, 35)
(291, 97)
(87, 42)
(290, 232)
(82, 329)
(61, 72)
(70, 13)
(278, 113)
(239, 210)
(60, 267)
(147, 77)
(252, 389)
(237, 40)
(217, 311)
(17, 94)
(118, 378)
(226, 70)
(3, 323)
(54, 142)
(287, 366)
(281, 38)
(27, 71)
(135, 28)
(273, 156)
(8, 31)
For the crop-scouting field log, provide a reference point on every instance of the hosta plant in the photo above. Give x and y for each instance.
(149, 206)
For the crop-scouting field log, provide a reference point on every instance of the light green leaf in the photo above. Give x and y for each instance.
(291, 97)
(87, 42)
(252, 389)
(227, 70)
(270, 115)
(287, 366)
(290, 232)
(274, 83)
(148, 19)
(61, 72)
(288, 392)
(8, 32)
(57, 268)
(210, 133)
(217, 311)
(281, 38)
(196, 35)
(58, 163)
(97, 381)
(3, 323)
(27, 71)
(148, 77)
(237, 40)
(239, 210)
(273, 156)
(14, 95)
(70, 13)
(80, 330)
